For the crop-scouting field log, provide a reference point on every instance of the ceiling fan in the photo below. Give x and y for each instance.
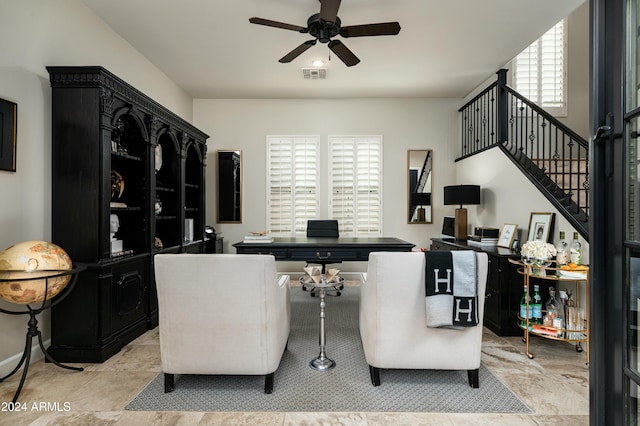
(325, 25)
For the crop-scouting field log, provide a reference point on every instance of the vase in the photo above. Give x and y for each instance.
(538, 266)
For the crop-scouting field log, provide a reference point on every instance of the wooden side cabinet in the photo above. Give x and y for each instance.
(128, 181)
(504, 286)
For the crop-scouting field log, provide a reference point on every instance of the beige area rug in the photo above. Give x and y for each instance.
(347, 387)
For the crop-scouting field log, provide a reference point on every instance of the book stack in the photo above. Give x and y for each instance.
(484, 238)
(258, 237)
(483, 243)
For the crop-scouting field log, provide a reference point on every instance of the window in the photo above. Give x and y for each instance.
(355, 179)
(353, 193)
(540, 71)
(292, 183)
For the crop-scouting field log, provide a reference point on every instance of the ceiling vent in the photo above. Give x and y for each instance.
(314, 73)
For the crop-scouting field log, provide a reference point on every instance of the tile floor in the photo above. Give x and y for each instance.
(555, 385)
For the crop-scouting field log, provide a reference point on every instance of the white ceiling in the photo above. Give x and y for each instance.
(446, 48)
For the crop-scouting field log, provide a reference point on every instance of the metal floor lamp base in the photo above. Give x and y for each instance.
(321, 362)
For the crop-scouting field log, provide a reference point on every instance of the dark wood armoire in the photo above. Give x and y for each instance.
(128, 181)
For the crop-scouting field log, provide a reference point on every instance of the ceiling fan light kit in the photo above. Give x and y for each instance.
(324, 26)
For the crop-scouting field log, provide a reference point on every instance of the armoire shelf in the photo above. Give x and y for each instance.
(117, 155)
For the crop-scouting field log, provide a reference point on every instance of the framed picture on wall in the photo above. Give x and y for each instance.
(8, 129)
(507, 235)
(540, 226)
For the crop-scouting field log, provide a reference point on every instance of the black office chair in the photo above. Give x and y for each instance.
(320, 229)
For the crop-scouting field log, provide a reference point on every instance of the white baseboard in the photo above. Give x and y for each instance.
(8, 364)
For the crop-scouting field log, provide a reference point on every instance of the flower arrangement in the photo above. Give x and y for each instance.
(537, 252)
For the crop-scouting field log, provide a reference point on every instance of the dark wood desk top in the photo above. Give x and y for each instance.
(332, 242)
(339, 249)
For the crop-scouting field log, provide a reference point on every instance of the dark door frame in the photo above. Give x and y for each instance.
(607, 225)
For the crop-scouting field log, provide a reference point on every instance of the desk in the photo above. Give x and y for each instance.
(324, 249)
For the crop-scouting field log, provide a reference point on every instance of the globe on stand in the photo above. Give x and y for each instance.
(28, 261)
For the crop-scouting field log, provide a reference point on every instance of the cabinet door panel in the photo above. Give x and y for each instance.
(492, 312)
(129, 289)
(494, 275)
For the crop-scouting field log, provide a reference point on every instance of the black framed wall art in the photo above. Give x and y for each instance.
(8, 130)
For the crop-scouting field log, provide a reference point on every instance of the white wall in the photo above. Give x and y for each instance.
(37, 33)
(34, 34)
(578, 71)
(507, 196)
(577, 68)
(403, 123)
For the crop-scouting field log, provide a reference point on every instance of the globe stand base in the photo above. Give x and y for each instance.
(32, 332)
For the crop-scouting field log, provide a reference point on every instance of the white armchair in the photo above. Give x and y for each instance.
(392, 320)
(221, 314)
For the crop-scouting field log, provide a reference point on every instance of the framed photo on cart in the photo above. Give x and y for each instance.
(507, 235)
(541, 226)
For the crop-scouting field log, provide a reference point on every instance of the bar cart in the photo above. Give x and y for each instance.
(575, 329)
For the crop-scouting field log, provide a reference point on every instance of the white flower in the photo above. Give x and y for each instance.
(538, 250)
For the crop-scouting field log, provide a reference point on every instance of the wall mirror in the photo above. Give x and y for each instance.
(420, 166)
(230, 186)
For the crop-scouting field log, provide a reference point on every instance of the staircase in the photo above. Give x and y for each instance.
(553, 157)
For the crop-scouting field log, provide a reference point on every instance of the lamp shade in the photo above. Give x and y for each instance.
(462, 194)
(420, 198)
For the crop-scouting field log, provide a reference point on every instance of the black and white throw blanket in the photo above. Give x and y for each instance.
(451, 289)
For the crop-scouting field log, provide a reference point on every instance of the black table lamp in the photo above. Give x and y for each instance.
(461, 194)
(419, 200)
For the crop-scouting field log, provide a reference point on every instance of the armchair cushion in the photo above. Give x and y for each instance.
(393, 312)
(221, 313)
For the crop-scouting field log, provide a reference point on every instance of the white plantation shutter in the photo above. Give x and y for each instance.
(540, 72)
(292, 183)
(526, 73)
(355, 180)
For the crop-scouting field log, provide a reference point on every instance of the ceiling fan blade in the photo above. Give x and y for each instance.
(276, 24)
(296, 52)
(343, 53)
(383, 28)
(329, 10)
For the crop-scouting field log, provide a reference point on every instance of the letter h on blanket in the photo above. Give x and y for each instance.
(451, 289)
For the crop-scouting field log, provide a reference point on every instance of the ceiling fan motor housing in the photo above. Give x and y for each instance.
(325, 25)
(321, 29)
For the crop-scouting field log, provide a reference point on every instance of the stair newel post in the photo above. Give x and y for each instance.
(502, 106)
